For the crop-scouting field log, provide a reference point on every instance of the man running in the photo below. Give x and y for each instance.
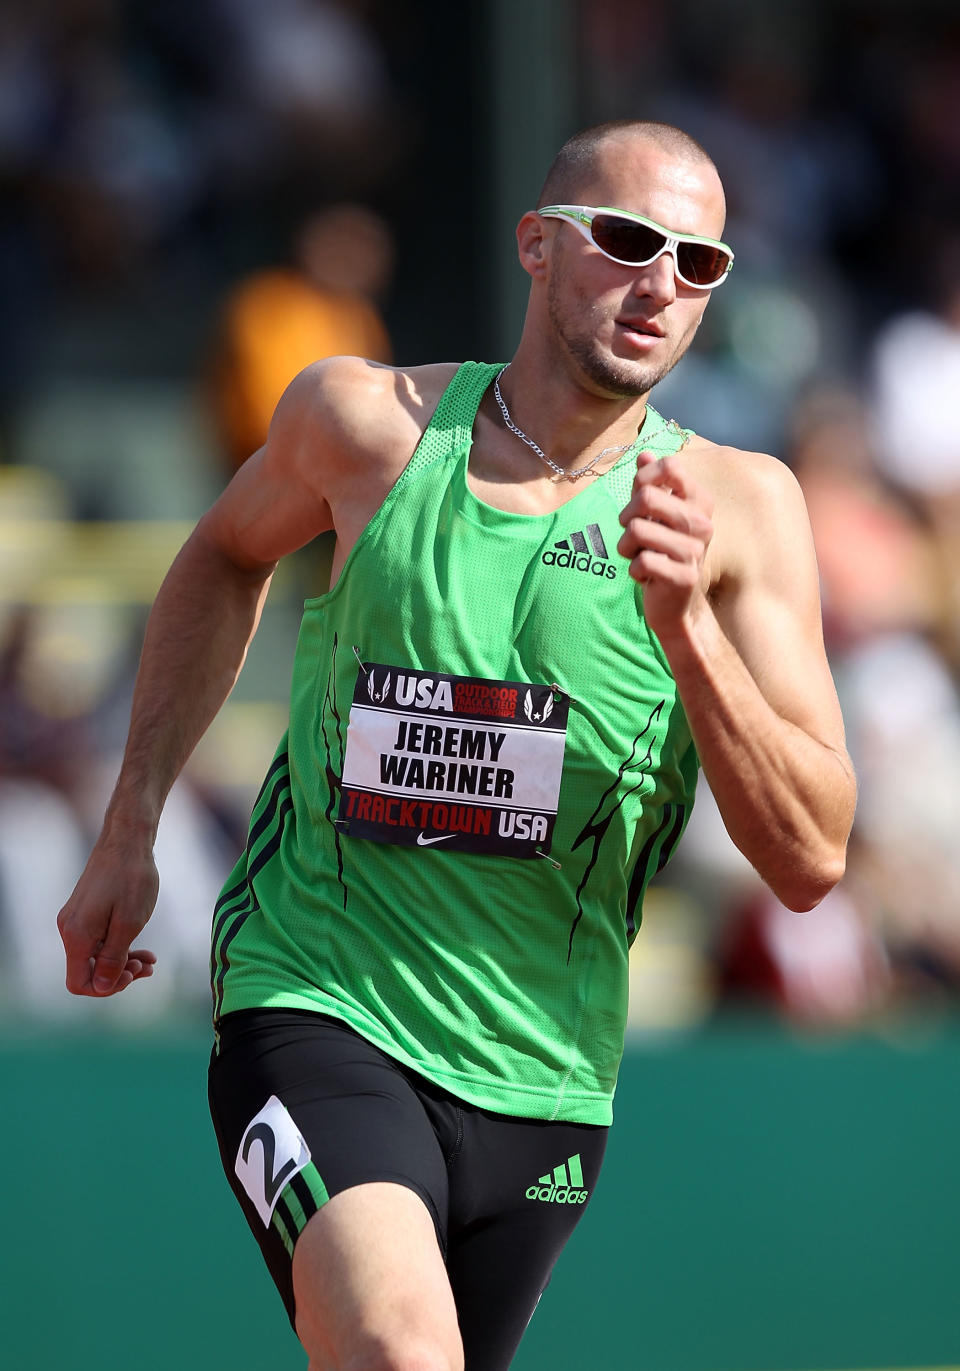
(547, 603)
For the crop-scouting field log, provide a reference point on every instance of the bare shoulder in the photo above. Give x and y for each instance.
(341, 435)
(760, 517)
(356, 411)
(733, 474)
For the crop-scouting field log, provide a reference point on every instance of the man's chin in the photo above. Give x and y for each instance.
(619, 378)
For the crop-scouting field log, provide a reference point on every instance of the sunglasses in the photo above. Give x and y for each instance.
(634, 241)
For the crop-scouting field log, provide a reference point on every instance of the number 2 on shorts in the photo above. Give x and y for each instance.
(264, 1171)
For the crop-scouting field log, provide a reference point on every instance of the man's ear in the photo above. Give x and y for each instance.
(532, 244)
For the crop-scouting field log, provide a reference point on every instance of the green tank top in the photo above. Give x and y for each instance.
(486, 762)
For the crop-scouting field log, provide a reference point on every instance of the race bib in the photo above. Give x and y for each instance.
(457, 762)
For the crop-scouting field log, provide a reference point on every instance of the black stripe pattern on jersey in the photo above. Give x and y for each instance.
(657, 851)
(595, 828)
(334, 780)
(235, 906)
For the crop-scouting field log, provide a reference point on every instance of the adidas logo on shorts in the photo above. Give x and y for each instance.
(563, 1186)
(573, 552)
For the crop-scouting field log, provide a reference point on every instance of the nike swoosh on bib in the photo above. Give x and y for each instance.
(425, 842)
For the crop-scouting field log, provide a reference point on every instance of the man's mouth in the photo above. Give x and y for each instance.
(642, 326)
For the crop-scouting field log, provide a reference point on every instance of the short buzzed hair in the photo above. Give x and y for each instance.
(575, 159)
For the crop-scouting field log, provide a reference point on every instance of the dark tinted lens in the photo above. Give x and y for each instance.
(700, 263)
(626, 241)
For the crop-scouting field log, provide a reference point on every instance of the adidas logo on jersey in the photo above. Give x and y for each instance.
(573, 552)
(563, 1186)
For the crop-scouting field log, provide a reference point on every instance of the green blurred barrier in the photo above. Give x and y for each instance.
(768, 1204)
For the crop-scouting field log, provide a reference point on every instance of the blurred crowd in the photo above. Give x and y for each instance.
(196, 200)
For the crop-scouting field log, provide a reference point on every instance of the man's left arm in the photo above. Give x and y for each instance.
(749, 661)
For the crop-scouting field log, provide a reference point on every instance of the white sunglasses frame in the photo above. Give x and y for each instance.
(581, 218)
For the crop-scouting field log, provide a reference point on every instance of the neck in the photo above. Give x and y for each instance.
(567, 419)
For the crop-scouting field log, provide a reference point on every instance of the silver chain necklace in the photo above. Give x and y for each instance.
(562, 473)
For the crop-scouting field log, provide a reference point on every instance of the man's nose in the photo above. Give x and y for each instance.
(658, 279)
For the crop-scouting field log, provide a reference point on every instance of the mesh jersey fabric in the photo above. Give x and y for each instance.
(503, 978)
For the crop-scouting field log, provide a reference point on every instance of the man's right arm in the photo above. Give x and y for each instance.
(198, 632)
(197, 635)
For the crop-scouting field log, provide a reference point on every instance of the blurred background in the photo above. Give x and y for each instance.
(196, 199)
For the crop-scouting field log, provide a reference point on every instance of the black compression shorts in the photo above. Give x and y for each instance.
(329, 1111)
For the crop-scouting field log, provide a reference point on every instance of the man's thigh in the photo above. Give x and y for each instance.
(360, 1179)
(305, 1110)
(517, 1190)
(371, 1287)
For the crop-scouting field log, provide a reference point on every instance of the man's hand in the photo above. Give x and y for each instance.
(110, 904)
(667, 529)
